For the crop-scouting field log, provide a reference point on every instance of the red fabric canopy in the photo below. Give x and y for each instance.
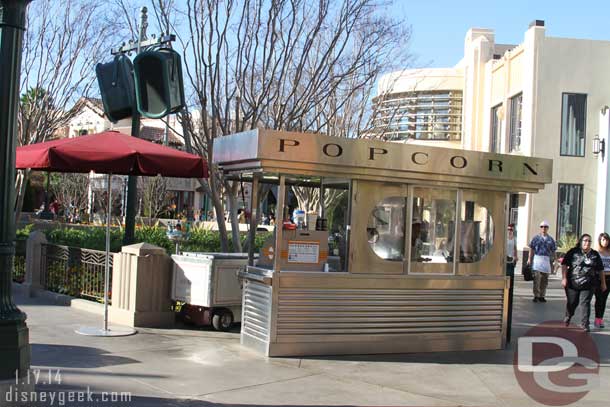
(110, 152)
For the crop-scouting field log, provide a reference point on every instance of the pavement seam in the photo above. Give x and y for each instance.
(382, 386)
(338, 378)
(144, 383)
(498, 397)
(256, 385)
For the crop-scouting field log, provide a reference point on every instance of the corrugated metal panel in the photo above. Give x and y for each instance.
(257, 310)
(353, 311)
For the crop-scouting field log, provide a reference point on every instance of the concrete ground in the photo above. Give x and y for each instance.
(199, 367)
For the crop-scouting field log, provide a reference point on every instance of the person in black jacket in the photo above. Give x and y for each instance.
(582, 271)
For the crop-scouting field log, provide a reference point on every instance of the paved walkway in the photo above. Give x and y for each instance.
(184, 367)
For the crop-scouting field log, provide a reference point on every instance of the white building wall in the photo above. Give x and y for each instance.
(87, 120)
(602, 206)
(575, 66)
(478, 49)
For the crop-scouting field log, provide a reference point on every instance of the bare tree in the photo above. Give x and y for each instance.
(61, 46)
(71, 190)
(155, 196)
(280, 64)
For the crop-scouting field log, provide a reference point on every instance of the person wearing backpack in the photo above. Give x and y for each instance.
(582, 271)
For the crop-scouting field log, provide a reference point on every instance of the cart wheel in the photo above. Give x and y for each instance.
(222, 320)
(183, 315)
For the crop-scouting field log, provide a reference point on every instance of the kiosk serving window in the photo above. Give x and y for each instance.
(386, 229)
(477, 232)
(432, 230)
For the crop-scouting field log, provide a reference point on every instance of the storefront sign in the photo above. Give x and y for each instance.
(385, 156)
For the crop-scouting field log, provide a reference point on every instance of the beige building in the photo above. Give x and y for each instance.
(545, 97)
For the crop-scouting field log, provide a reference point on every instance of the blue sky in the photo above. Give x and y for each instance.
(439, 26)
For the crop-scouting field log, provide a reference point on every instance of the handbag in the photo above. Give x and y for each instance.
(527, 273)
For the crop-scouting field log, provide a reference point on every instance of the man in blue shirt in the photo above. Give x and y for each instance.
(541, 254)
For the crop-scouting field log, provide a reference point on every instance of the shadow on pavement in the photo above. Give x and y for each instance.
(74, 356)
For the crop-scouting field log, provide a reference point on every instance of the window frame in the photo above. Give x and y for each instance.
(511, 145)
(495, 122)
(561, 135)
(580, 205)
(408, 227)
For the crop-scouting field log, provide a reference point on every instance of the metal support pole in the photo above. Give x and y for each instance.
(254, 204)
(107, 262)
(14, 338)
(47, 193)
(279, 222)
(132, 182)
(106, 330)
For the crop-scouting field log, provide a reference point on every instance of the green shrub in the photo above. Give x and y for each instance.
(154, 235)
(24, 233)
(200, 239)
(93, 238)
(259, 240)
(566, 242)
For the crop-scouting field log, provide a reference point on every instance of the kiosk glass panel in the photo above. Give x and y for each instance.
(386, 229)
(432, 231)
(477, 231)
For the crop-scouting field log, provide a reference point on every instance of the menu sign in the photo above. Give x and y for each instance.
(303, 252)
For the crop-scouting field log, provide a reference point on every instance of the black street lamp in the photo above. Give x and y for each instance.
(14, 338)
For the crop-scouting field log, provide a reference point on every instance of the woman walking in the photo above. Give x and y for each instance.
(601, 296)
(582, 270)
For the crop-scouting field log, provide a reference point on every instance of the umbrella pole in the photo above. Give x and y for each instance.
(115, 331)
(107, 267)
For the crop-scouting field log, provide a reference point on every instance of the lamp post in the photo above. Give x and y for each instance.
(14, 339)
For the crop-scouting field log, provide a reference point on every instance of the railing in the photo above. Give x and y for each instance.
(19, 262)
(73, 271)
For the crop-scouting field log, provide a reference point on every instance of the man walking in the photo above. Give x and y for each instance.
(542, 251)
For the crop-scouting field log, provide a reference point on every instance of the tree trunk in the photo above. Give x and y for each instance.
(231, 195)
(212, 191)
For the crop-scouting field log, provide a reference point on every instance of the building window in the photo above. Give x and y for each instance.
(569, 210)
(496, 125)
(573, 124)
(515, 122)
(419, 115)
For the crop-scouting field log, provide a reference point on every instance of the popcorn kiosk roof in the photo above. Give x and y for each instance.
(408, 251)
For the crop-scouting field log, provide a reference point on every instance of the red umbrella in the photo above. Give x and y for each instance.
(110, 152)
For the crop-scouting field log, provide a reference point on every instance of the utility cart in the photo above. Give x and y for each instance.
(208, 286)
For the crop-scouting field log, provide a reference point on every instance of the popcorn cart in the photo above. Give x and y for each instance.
(417, 255)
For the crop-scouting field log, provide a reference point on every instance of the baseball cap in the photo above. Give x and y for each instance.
(544, 223)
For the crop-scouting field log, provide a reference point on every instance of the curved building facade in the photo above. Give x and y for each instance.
(420, 104)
